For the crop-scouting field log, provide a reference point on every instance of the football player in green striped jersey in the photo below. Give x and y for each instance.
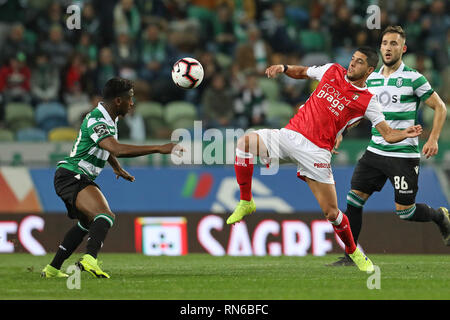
(74, 183)
(399, 89)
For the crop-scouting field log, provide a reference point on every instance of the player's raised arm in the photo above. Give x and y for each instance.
(296, 72)
(121, 150)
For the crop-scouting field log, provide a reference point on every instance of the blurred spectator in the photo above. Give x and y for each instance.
(250, 106)
(293, 90)
(15, 80)
(125, 52)
(88, 49)
(105, 70)
(342, 29)
(280, 34)
(224, 30)
(436, 24)
(56, 47)
(254, 54)
(73, 83)
(53, 16)
(127, 18)
(45, 83)
(154, 54)
(313, 39)
(217, 103)
(16, 43)
(413, 28)
(90, 20)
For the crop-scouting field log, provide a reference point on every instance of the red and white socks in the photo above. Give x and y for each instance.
(342, 228)
(243, 166)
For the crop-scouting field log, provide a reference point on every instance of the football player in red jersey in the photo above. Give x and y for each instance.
(341, 99)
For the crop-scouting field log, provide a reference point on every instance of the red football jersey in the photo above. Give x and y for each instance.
(334, 105)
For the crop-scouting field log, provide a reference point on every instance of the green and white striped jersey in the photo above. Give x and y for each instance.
(399, 95)
(86, 156)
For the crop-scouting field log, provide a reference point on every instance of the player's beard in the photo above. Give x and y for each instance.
(392, 62)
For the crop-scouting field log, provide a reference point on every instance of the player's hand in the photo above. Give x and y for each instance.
(123, 174)
(272, 71)
(172, 148)
(413, 131)
(430, 148)
(337, 144)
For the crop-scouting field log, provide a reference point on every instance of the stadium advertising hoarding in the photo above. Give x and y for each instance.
(259, 235)
(197, 189)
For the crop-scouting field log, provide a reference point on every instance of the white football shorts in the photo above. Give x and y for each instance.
(288, 145)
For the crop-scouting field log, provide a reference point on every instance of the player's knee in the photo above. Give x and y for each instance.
(108, 216)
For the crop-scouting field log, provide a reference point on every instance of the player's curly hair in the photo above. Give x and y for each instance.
(116, 87)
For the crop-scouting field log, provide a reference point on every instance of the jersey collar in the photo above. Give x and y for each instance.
(105, 113)
(400, 68)
(359, 88)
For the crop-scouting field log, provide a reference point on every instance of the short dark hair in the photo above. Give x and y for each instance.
(116, 87)
(371, 54)
(394, 29)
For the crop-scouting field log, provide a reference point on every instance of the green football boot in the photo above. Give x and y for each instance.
(90, 264)
(51, 272)
(361, 261)
(243, 209)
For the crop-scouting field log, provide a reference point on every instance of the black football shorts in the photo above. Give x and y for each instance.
(67, 186)
(373, 170)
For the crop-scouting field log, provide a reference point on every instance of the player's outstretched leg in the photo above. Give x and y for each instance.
(97, 234)
(421, 212)
(71, 241)
(248, 146)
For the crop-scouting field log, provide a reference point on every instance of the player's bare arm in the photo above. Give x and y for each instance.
(394, 135)
(121, 150)
(431, 147)
(118, 170)
(296, 72)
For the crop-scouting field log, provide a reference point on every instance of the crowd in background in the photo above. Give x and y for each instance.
(42, 60)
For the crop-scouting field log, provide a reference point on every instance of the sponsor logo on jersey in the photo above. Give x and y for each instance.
(101, 129)
(321, 165)
(335, 97)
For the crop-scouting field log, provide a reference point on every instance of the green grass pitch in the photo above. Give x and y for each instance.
(205, 277)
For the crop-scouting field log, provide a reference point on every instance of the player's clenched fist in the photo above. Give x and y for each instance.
(272, 71)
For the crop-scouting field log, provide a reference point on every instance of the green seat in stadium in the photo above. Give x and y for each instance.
(153, 115)
(270, 87)
(6, 135)
(19, 116)
(279, 113)
(180, 114)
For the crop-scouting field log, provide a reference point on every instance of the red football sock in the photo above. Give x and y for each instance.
(243, 166)
(342, 228)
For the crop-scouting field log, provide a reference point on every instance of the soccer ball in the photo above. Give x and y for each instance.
(187, 73)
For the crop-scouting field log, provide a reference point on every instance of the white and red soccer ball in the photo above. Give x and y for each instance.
(187, 73)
